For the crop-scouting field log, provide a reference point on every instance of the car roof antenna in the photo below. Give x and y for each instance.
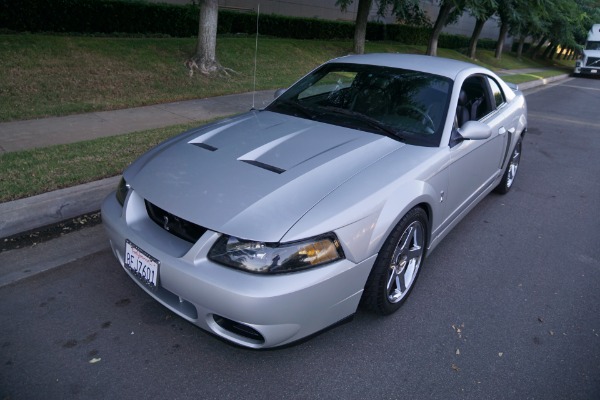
(255, 53)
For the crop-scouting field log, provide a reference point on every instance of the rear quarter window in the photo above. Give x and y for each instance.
(497, 93)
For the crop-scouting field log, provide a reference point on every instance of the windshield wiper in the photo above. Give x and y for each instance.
(372, 122)
(305, 111)
(594, 63)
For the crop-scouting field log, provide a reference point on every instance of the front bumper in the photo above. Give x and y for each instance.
(595, 71)
(256, 311)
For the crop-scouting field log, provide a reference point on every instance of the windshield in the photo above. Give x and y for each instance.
(406, 105)
(592, 46)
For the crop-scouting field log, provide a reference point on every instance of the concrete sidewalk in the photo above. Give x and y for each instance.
(49, 208)
(22, 135)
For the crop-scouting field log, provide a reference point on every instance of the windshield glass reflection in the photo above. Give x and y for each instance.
(407, 105)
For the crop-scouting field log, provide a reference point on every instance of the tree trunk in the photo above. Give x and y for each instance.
(205, 58)
(501, 38)
(360, 28)
(475, 37)
(563, 54)
(520, 47)
(534, 50)
(445, 9)
(546, 52)
(553, 52)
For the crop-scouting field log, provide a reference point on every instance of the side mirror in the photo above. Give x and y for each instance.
(475, 130)
(278, 93)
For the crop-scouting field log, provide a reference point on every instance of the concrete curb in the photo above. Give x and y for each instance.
(50, 208)
(541, 82)
(53, 207)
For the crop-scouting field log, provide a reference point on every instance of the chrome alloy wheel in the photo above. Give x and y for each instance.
(514, 164)
(405, 262)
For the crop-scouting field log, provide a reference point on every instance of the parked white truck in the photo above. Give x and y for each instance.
(589, 62)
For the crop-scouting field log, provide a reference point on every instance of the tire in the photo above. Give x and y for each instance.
(510, 174)
(398, 264)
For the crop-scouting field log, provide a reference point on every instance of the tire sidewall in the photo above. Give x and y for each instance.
(375, 296)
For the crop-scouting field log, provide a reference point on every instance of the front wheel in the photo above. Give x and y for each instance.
(398, 264)
(511, 170)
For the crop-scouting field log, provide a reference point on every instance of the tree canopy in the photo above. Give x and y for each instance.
(561, 23)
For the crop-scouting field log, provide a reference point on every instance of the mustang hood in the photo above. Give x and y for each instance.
(255, 175)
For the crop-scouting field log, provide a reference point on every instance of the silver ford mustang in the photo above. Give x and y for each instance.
(272, 225)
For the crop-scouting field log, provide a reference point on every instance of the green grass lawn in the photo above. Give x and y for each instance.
(520, 78)
(30, 172)
(59, 75)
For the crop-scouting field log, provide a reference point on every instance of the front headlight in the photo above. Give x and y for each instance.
(122, 191)
(270, 258)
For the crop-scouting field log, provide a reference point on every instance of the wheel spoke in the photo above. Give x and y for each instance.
(411, 269)
(391, 280)
(406, 239)
(401, 281)
(415, 250)
(405, 262)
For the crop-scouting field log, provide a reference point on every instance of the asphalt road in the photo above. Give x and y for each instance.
(507, 307)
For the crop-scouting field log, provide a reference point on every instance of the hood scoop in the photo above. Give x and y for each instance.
(201, 140)
(264, 166)
(205, 146)
(295, 148)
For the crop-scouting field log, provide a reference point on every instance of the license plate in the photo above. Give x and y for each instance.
(142, 264)
(594, 71)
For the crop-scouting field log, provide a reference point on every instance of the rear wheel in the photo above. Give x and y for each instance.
(511, 171)
(398, 264)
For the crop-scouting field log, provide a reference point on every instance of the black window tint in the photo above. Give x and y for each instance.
(404, 104)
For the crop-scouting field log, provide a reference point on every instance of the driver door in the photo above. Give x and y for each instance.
(475, 164)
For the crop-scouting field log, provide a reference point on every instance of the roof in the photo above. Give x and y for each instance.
(433, 65)
(594, 33)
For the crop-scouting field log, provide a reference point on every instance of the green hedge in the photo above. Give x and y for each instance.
(128, 17)
(96, 16)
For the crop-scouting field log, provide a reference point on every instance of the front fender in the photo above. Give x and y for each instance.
(363, 211)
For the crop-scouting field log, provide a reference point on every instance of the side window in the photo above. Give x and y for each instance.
(497, 93)
(473, 100)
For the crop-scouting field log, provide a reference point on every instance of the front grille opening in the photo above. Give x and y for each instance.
(591, 61)
(239, 329)
(179, 227)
